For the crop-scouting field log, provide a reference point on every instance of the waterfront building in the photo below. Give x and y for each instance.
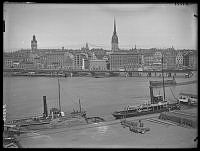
(148, 58)
(68, 61)
(98, 64)
(193, 59)
(78, 61)
(114, 41)
(126, 60)
(170, 58)
(33, 44)
(157, 60)
(27, 65)
(7, 62)
(186, 59)
(179, 59)
(53, 60)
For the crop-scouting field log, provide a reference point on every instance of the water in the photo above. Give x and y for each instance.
(99, 96)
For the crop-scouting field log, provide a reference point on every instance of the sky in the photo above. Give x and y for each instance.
(72, 25)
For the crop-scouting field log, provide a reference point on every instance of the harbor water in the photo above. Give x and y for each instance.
(98, 96)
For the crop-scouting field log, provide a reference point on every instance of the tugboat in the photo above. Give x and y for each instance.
(156, 105)
(46, 119)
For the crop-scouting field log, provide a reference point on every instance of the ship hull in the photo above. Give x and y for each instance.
(155, 109)
(120, 115)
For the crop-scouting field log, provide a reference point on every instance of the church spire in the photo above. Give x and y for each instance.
(114, 41)
(114, 27)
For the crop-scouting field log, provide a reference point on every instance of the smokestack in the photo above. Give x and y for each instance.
(45, 107)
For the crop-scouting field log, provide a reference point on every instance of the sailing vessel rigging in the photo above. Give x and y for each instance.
(158, 103)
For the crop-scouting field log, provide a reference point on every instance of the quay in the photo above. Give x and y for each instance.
(111, 134)
(92, 73)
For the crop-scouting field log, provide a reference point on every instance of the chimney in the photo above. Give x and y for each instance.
(45, 107)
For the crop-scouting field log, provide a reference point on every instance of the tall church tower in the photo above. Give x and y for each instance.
(114, 41)
(33, 43)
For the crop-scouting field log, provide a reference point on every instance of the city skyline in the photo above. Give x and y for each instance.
(73, 25)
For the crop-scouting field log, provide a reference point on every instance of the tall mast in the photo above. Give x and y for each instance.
(163, 79)
(80, 105)
(59, 95)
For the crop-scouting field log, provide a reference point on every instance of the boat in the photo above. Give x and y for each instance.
(47, 118)
(146, 108)
(157, 104)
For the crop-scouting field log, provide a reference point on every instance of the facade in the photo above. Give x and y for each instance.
(34, 44)
(124, 60)
(186, 59)
(170, 58)
(179, 60)
(98, 65)
(80, 61)
(27, 65)
(68, 61)
(148, 59)
(114, 41)
(53, 60)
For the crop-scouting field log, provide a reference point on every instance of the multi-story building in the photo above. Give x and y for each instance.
(68, 61)
(98, 64)
(124, 60)
(193, 59)
(27, 65)
(80, 61)
(186, 59)
(148, 58)
(53, 60)
(170, 58)
(179, 59)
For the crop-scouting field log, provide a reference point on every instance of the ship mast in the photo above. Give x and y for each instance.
(59, 95)
(163, 79)
(80, 105)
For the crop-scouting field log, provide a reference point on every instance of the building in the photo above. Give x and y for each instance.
(80, 61)
(114, 41)
(179, 59)
(170, 58)
(53, 60)
(33, 44)
(148, 59)
(124, 60)
(186, 59)
(68, 61)
(98, 65)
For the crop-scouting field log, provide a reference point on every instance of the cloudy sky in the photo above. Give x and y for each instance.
(72, 25)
